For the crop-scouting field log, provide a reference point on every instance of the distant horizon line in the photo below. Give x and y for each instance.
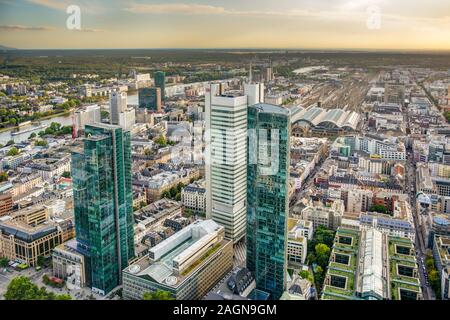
(388, 50)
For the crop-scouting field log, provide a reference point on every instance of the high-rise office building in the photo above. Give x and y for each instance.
(267, 196)
(160, 82)
(226, 125)
(150, 99)
(118, 104)
(103, 203)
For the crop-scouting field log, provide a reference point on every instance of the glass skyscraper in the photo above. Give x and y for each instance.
(150, 99)
(160, 82)
(267, 196)
(103, 203)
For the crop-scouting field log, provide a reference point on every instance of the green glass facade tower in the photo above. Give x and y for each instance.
(150, 99)
(160, 82)
(267, 196)
(103, 203)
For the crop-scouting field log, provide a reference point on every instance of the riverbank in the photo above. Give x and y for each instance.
(61, 114)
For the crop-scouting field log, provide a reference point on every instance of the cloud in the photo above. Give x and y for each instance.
(344, 11)
(53, 4)
(15, 27)
(175, 8)
(87, 6)
(87, 30)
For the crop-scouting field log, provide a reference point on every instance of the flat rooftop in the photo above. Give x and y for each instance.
(158, 266)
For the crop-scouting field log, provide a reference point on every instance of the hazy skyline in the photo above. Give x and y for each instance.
(308, 24)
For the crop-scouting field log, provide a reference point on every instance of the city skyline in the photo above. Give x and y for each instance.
(357, 25)
(218, 150)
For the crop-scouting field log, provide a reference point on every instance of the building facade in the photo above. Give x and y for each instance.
(118, 104)
(103, 203)
(188, 264)
(267, 196)
(160, 82)
(193, 197)
(150, 99)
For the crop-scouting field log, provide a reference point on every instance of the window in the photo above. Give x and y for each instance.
(403, 250)
(338, 281)
(405, 271)
(345, 240)
(408, 295)
(342, 258)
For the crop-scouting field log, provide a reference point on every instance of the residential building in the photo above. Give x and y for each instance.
(302, 228)
(87, 115)
(48, 166)
(239, 285)
(70, 265)
(297, 241)
(193, 197)
(153, 216)
(441, 254)
(118, 104)
(324, 214)
(6, 203)
(298, 289)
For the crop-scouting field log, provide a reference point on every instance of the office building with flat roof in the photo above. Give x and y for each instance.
(188, 264)
(371, 265)
(29, 233)
(225, 155)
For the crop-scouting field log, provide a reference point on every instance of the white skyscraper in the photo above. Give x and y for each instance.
(118, 104)
(226, 152)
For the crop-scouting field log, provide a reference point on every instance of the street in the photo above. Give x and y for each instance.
(428, 293)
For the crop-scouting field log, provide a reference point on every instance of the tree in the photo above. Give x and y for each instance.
(379, 208)
(13, 152)
(322, 249)
(41, 143)
(66, 174)
(158, 295)
(447, 116)
(21, 288)
(3, 262)
(161, 140)
(40, 261)
(306, 275)
(104, 114)
(324, 235)
(322, 254)
(3, 176)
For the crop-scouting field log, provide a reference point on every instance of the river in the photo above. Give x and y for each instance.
(5, 136)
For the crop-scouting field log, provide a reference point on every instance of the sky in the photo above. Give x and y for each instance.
(300, 24)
